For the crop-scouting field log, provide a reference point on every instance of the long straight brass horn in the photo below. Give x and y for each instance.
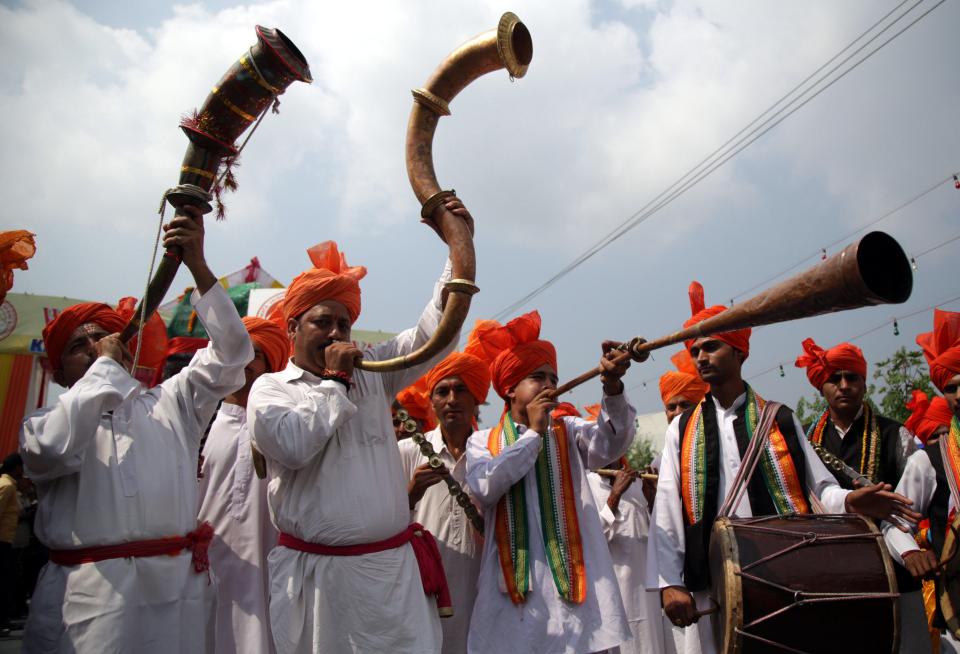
(872, 271)
(508, 46)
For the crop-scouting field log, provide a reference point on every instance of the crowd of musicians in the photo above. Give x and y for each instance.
(355, 541)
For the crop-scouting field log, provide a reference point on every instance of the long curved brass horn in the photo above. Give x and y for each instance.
(508, 46)
(872, 271)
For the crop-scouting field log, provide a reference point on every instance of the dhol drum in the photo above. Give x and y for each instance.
(814, 584)
(948, 585)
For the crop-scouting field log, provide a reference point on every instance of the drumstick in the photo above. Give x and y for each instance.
(702, 612)
(610, 472)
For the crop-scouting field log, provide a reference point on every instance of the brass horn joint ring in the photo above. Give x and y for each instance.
(462, 286)
(633, 348)
(434, 201)
(431, 101)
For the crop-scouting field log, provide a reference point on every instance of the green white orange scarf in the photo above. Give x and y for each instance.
(950, 450)
(558, 517)
(776, 464)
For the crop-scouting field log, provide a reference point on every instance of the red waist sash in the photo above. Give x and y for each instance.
(197, 541)
(432, 576)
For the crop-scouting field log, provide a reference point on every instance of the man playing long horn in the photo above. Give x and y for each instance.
(691, 488)
(234, 502)
(455, 388)
(875, 446)
(344, 576)
(115, 468)
(546, 579)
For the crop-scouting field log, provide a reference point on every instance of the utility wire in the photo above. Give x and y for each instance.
(673, 191)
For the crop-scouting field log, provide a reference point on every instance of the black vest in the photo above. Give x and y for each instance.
(696, 568)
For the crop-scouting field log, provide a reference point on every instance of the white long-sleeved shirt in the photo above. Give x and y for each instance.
(545, 622)
(336, 479)
(919, 483)
(234, 501)
(115, 463)
(459, 544)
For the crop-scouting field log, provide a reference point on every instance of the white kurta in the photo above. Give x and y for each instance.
(919, 483)
(336, 479)
(626, 532)
(114, 463)
(460, 545)
(234, 501)
(667, 546)
(546, 622)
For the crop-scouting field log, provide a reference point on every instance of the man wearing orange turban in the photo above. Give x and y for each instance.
(529, 474)
(115, 468)
(234, 501)
(324, 430)
(928, 479)
(415, 400)
(681, 389)
(875, 446)
(452, 391)
(941, 347)
(701, 457)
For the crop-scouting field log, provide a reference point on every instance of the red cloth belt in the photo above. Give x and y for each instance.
(425, 548)
(197, 541)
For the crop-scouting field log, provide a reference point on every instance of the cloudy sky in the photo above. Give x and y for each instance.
(621, 99)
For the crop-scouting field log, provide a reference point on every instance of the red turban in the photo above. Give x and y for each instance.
(415, 398)
(185, 345)
(471, 369)
(154, 350)
(685, 380)
(942, 347)
(57, 333)
(15, 248)
(272, 341)
(565, 409)
(330, 279)
(820, 363)
(739, 339)
(513, 350)
(927, 415)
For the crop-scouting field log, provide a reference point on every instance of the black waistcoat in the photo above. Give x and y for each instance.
(850, 448)
(696, 569)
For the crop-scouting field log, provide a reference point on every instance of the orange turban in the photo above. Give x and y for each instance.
(739, 339)
(154, 350)
(415, 398)
(820, 363)
(685, 380)
(513, 350)
(272, 341)
(330, 279)
(15, 248)
(471, 369)
(185, 344)
(57, 333)
(941, 347)
(927, 415)
(565, 409)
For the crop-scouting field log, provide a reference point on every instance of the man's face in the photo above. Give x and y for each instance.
(844, 391)
(677, 405)
(454, 404)
(543, 378)
(255, 368)
(79, 353)
(942, 430)
(318, 327)
(951, 392)
(716, 361)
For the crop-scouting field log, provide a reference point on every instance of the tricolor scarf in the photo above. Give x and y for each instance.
(950, 449)
(558, 517)
(776, 464)
(870, 454)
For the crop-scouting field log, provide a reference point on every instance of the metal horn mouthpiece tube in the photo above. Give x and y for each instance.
(248, 88)
(507, 46)
(872, 271)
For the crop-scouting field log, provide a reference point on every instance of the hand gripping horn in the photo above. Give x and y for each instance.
(508, 46)
(247, 90)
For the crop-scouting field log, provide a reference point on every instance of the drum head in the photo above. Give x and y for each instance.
(726, 585)
(950, 577)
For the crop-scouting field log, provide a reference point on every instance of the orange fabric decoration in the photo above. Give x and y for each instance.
(565, 409)
(739, 339)
(272, 341)
(513, 350)
(927, 415)
(941, 347)
(185, 344)
(685, 380)
(57, 332)
(415, 398)
(592, 412)
(820, 363)
(330, 279)
(154, 350)
(15, 248)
